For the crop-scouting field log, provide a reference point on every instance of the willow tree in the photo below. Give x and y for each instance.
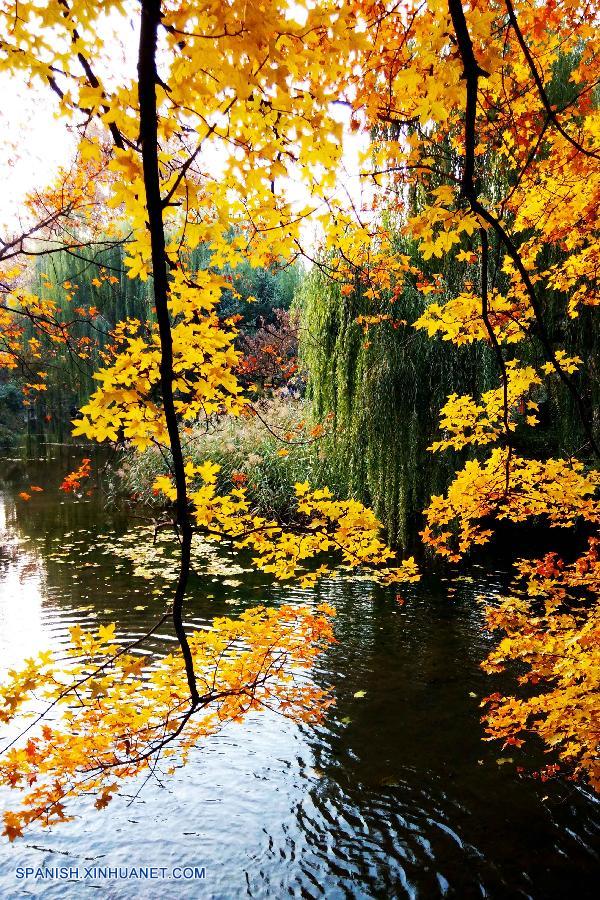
(383, 384)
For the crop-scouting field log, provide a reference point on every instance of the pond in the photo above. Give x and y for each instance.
(395, 795)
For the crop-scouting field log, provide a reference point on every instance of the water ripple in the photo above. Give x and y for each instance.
(393, 796)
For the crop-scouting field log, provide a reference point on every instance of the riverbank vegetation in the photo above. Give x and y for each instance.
(266, 452)
(424, 372)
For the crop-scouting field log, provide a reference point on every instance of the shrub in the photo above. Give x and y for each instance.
(253, 452)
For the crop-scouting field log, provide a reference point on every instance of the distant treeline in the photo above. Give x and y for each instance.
(98, 281)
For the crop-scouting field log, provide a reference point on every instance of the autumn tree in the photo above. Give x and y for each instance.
(270, 353)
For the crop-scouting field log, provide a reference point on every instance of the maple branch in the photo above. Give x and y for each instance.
(55, 87)
(147, 80)
(542, 333)
(189, 161)
(540, 85)
(14, 246)
(89, 675)
(485, 314)
(92, 80)
(530, 158)
(472, 72)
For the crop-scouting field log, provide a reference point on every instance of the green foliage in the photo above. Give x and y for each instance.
(385, 389)
(66, 278)
(272, 288)
(12, 414)
(114, 297)
(117, 297)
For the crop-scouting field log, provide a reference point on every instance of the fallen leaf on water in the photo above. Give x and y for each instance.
(390, 781)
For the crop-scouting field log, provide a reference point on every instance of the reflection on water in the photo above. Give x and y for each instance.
(395, 795)
(23, 584)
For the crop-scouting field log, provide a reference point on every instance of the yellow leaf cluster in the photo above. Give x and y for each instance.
(465, 421)
(322, 527)
(508, 487)
(460, 319)
(553, 630)
(126, 406)
(119, 712)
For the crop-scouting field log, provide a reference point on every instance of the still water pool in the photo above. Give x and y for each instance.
(394, 796)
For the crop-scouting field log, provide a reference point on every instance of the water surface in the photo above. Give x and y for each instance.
(395, 795)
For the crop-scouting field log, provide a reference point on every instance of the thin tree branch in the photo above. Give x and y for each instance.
(147, 80)
(540, 85)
